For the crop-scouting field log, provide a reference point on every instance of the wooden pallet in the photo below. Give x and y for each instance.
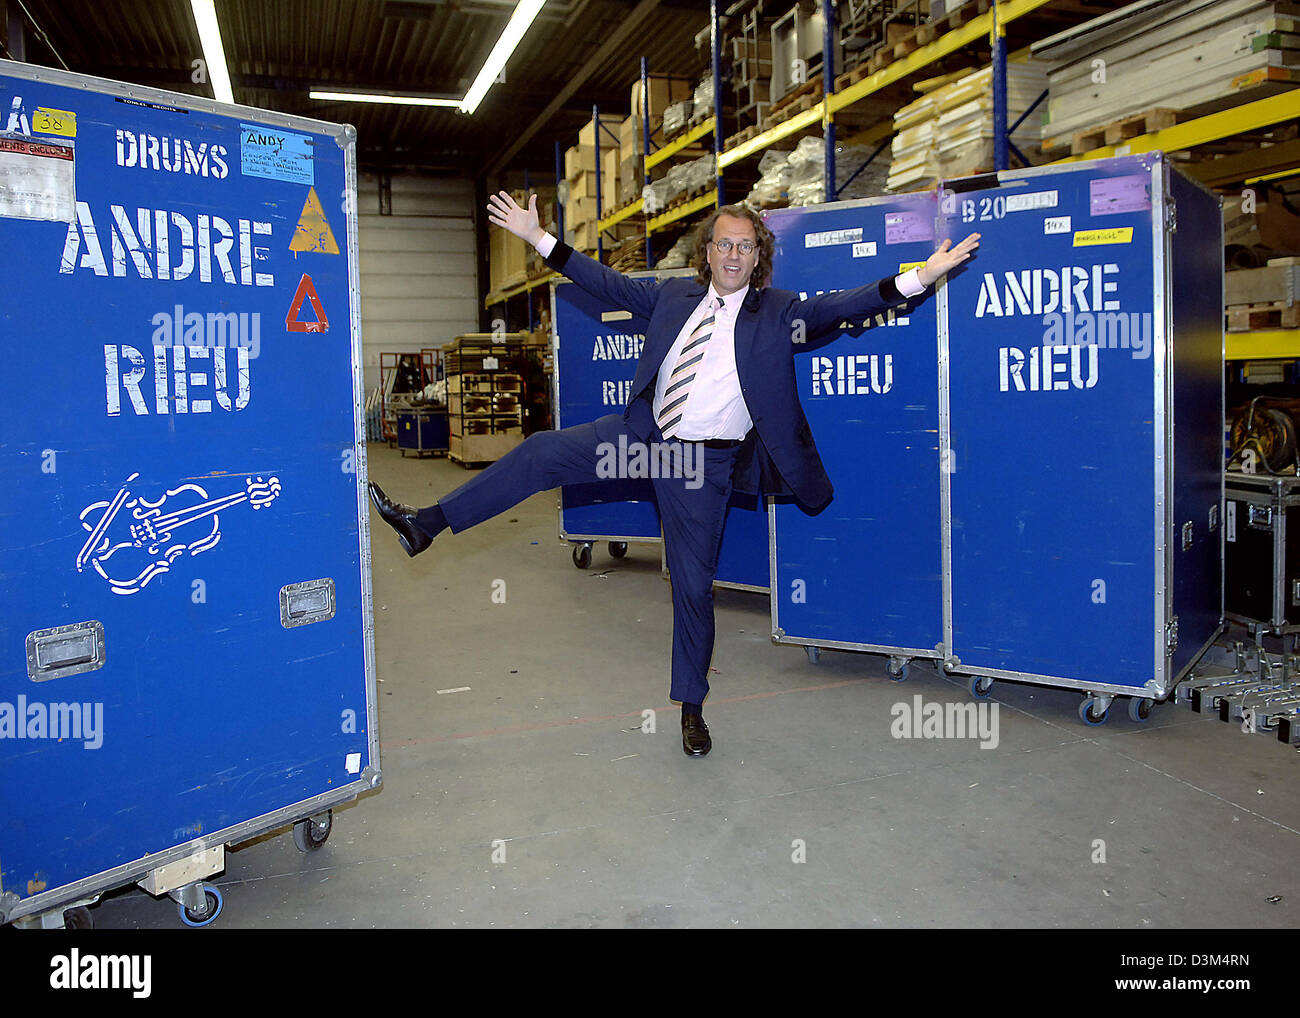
(852, 77)
(791, 109)
(743, 136)
(1246, 317)
(683, 199)
(1119, 131)
(921, 36)
(811, 87)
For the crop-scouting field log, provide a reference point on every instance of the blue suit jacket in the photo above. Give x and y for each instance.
(778, 456)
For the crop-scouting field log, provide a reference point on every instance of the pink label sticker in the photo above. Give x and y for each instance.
(901, 227)
(1109, 196)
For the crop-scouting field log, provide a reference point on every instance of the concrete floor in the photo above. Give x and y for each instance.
(534, 799)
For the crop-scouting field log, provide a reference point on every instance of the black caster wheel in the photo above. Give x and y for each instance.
(1089, 714)
(814, 654)
(618, 548)
(313, 832)
(1139, 708)
(897, 672)
(78, 918)
(582, 555)
(981, 687)
(215, 904)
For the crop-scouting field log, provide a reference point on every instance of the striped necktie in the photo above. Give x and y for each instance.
(688, 362)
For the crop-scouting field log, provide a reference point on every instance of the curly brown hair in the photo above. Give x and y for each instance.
(766, 245)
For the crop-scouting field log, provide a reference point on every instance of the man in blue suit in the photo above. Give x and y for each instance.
(715, 383)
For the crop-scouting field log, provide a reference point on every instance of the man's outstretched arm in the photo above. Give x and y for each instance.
(635, 295)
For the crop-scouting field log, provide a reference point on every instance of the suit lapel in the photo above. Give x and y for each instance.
(659, 343)
(746, 328)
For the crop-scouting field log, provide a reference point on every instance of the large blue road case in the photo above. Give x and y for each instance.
(1082, 364)
(186, 614)
(864, 574)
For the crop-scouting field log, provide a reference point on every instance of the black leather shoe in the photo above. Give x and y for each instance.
(695, 735)
(402, 519)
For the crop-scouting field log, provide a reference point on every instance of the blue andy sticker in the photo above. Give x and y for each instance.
(275, 154)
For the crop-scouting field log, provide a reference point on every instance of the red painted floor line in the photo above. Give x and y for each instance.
(541, 725)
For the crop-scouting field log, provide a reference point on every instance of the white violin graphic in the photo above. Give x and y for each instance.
(146, 542)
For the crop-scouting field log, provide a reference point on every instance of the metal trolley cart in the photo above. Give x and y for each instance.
(1081, 374)
(864, 574)
(186, 620)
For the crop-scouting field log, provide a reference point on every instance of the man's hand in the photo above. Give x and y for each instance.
(503, 211)
(944, 259)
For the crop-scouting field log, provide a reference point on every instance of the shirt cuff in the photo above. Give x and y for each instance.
(909, 283)
(546, 245)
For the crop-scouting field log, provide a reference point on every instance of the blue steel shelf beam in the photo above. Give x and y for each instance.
(715, 43)
(828, 86)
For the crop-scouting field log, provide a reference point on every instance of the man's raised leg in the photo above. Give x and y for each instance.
(545, 460)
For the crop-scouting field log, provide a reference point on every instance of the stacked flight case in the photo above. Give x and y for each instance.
(1081, 368)
(186, 620)
(1028, 470)
(864, 573)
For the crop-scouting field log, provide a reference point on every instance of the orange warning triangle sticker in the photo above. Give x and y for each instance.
(307, 290)
(313, 232)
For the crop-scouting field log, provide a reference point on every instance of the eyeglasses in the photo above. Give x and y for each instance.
(724, 246)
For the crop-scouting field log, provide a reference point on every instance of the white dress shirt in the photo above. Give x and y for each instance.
(716, 407)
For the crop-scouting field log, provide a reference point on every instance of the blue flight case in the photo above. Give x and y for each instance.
(1081, 368)
(186, 621)
(864, 573)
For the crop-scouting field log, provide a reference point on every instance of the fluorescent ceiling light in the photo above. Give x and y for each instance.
(214, 54)
(525, 12)
(382, 97)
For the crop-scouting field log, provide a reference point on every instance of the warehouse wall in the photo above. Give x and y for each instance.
(418, 265)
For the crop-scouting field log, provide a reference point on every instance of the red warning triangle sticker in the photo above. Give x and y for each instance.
(306, 289)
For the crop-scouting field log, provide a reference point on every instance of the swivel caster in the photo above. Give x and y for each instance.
(1139, 708)
(1089, 714)
(618, 548)
(981, 686)
(814, 654)
(313, 832)
(897, 669)
(198, 904)
(582, 555)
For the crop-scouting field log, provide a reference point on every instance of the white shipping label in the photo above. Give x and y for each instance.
(1056, 224)
(1033, 200)
(352, 762)
(38, 179)
(828, 237)
(865, 250)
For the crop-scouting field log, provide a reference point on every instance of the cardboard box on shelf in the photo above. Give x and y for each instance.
(609, 178)
(630, 178)
(630, 139)
(583, 236)
(508, 260)
(663, 92)
(608, 134)
(584, 186)
(579, 159)
(580, 210)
